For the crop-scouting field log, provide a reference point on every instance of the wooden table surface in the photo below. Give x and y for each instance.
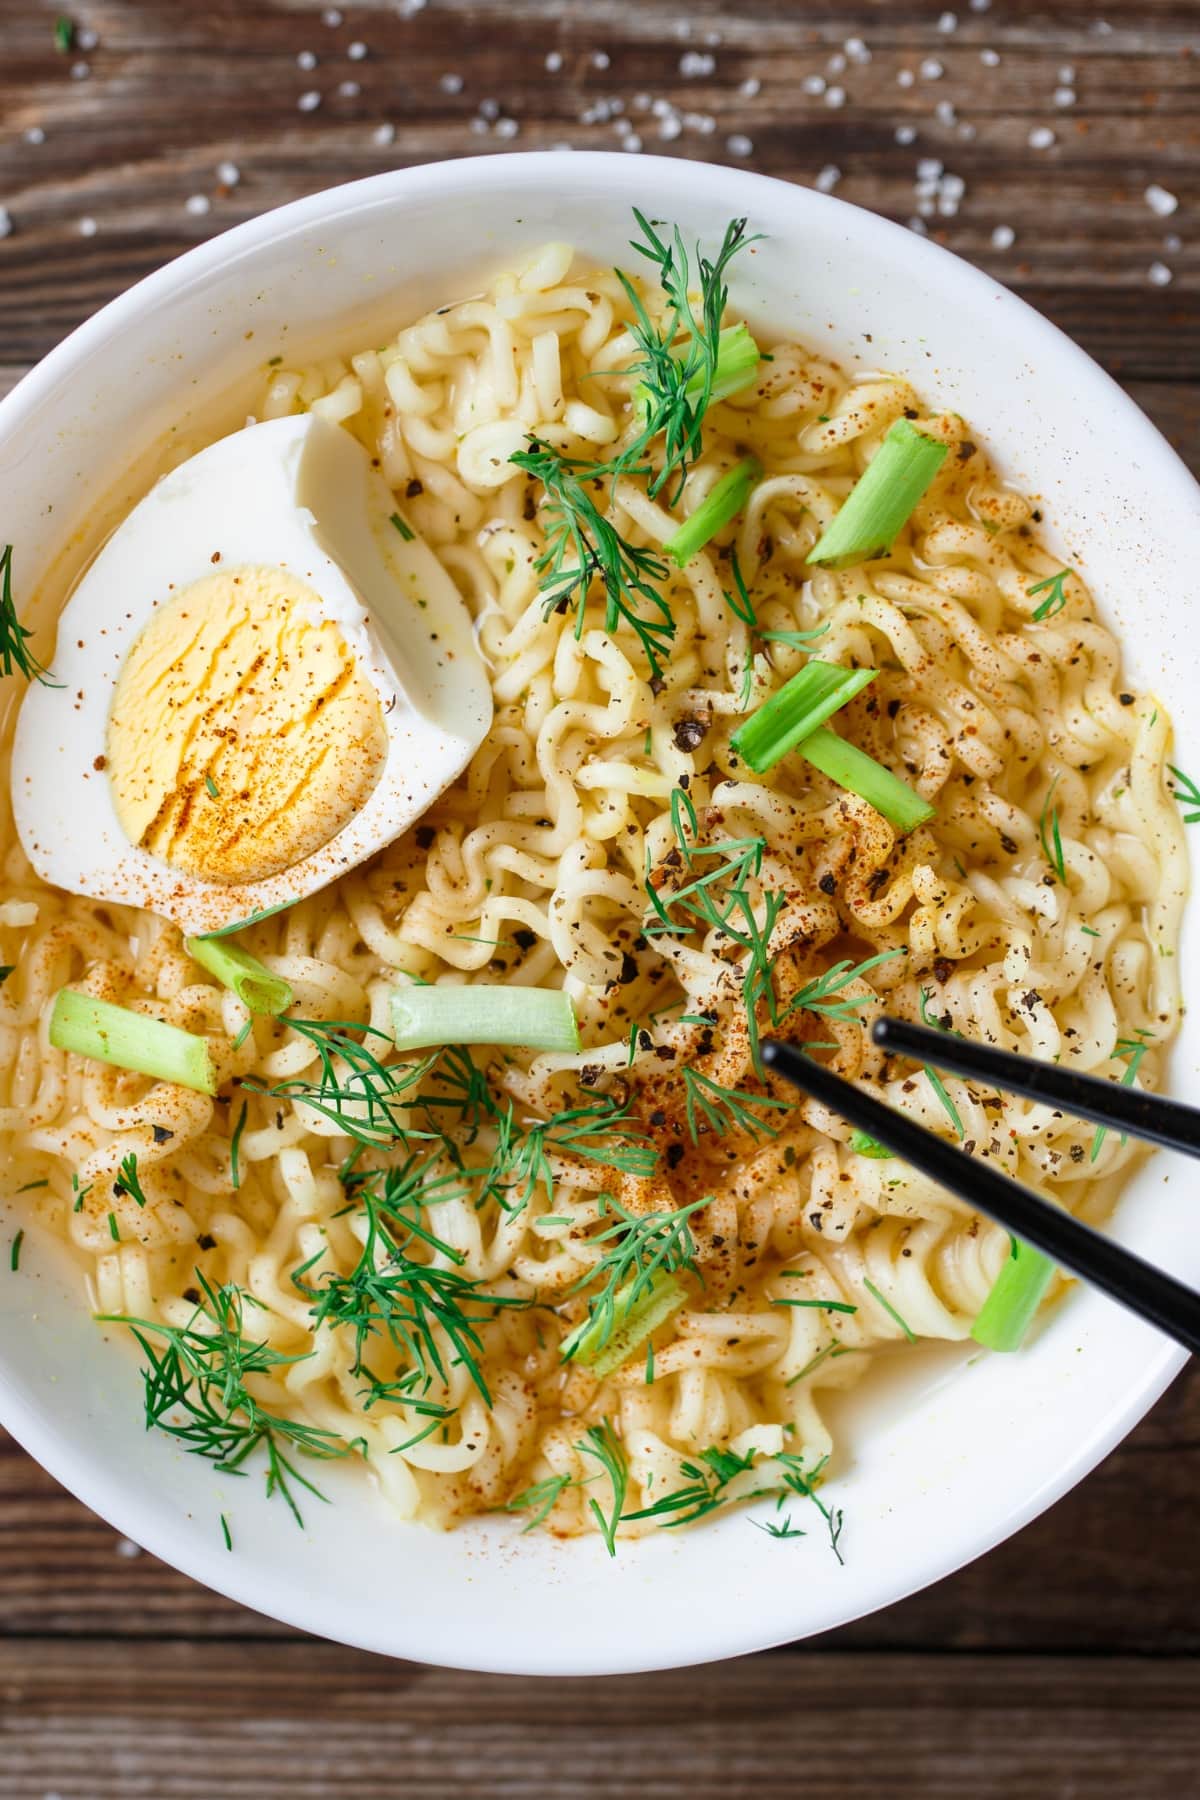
(1058, 147)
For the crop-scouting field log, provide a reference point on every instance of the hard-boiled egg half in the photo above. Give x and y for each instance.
(266, 676)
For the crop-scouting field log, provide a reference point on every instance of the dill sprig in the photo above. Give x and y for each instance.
(637, 1247)
(362, 1098)
(1054, 588)
(602, 1444)
(14, 651)
(798, 1480)
(195, 1391)
(127, 1181)
(583, 545)
(1130, 1051)
(722, 1107)
(824, 993)
(1187, 794)
(931, 1075)
(539, 1500)
(1050, 834)
(708, 1476)
(677, 364)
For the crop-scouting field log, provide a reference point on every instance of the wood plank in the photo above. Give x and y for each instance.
(1113, 1564)
(171, 92)
(183, 1721)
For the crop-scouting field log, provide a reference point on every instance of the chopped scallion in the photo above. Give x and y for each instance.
(735, 368)
(403, 527)
(852, 768)
(881, 502)
(803, 703)
(608, 1337)
(531, 1018)
(723, 502)
(129, 1040)
(235, 968)
(863, 1144)
(1018, 1291)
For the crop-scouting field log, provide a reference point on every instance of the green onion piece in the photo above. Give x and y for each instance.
(881, 502)
(805, 702)
(403, 527)
(725, 500)
(1019, 1289)
(533, 1018)
(736, 367)
(863, 1144)
(852, 768)
(235, 968)
(128, 1040)
(603, 1342)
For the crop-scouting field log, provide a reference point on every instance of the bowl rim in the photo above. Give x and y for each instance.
(121, 1504)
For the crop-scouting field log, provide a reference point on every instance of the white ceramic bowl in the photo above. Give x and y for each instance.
(942, 1456)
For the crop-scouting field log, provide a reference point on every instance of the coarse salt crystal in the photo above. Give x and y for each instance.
(554, 61)
(507, 128)
(331, 17)
(384, 134)
(930, 169)
(197, 205)
(670, 127)
(813, 84)
(980, 5)
(738, 145)
(1003, 237)
(948, 22)
(6, 223)
(966, 131)
(481, 126)
(356, 51)
(631, 142)
(1173, 242)
(80, 71)
(489, 109)
(86, 38)
(451, 83)
(88, 227)
(1160, 200)
(856, 50)
(127, 1547)
(828, 179)
(1158, 275)
(712, 38)
(750, 87)
(905, 78)
(309, 102)
(836, 64)
(228, 174)
(306, 60)
(1064, 96)
(1067, 75)
(349, 90)
(945, 113)
(906, 134)
(694, 63)
(33, 134)
(990, 59)
(704, 123)
(919, 226)
(601, 59)
(932, 69)
(1041, 138)
(835, 96)
(408, 9)
(641, 103)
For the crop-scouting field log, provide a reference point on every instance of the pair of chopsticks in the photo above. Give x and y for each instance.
(1124, 1277)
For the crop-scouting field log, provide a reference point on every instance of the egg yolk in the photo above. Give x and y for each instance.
(243, 734)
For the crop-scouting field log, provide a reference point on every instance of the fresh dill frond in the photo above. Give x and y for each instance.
(539, 1500)
(824, 993)
(583, 545)
(235, 1146)
(1130, 1051)
(797, 1480)
(127, 1181)
(1050, 834)
(602, 1444)
(890, 1310)
(196, 1392)
(704, 1490)
(722, 1107)
(635, 1249)
(931, 1075)
(14, 651)
(362, 1097)
(1054, 588)
(1187, 794)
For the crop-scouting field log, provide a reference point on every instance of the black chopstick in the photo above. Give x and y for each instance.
(1124, 1277)
(1125, 1109)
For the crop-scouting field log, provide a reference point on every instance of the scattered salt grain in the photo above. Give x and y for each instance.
(980, 5)
(507, 128)
(554, 61)
(836, 64)
(919, 226)
(738, 145)
(1041, 138)
(86, 38)
(1003, 237)
(489, 109)
(966, 132)
(197, 205)
(856, 50)
(945, 113)
(694, 63)
(1064, 96)
(383, 135)
(712, 38)
(1100, 28)
(828, 179)
(670, 127)
(33, 134)
(601, 59)
(631, 142)
(932, 69)
(948, 22)
(1067, 75)
(6, 224)
(1160, 200)
(905, 78)
(906, 134)
(750, 87)
(349, 90)
(228, 174)
(356, 51)
(990, 59)
(451, 84)
(127, 1548)
(835, 96)
(408, 9)
(481, 127)
(704, 123)
(641, 102)
(1158, 275)
(331, 17)
(80, 71)
(306, 60)
(88, 227)
(813, 84)
(930, 169)
(1173, 242)
(309, 102)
